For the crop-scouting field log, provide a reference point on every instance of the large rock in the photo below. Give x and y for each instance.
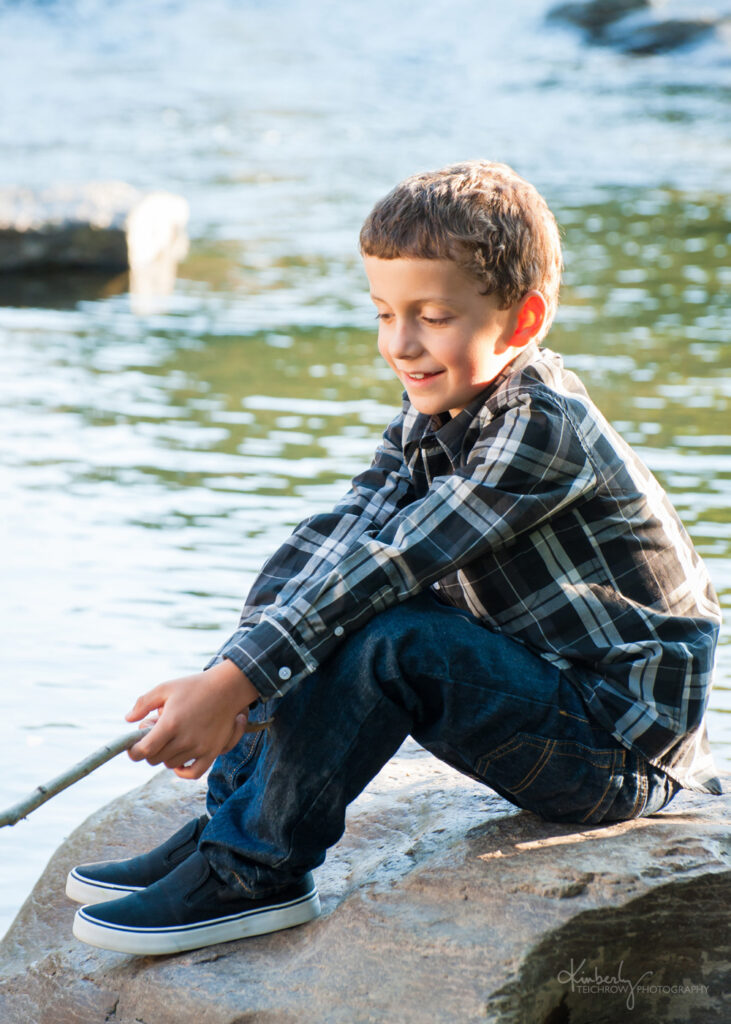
(105, 225)
(441, 904)
(644, 27)
(596, 15)
(661, 35)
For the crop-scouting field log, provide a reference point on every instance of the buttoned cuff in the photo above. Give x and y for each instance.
(272, 659)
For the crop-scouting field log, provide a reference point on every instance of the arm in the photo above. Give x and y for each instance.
(320, 542)
(204, 715)
(527, 465)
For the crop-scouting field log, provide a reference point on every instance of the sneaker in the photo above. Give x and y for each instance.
(110, 880)
(190, 908)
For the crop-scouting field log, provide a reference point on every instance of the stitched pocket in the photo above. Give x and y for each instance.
(249, 745)
(561, 780)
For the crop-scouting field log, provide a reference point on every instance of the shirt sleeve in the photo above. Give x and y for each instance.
(526, 466)
(320, 542)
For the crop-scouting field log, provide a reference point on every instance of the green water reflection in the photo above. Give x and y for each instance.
(642, 320)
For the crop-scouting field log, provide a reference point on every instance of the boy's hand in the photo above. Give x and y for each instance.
(200, 717)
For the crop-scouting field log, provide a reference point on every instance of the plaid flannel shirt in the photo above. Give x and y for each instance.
(529, 511)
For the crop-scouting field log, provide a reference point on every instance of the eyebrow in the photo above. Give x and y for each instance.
(425, 298)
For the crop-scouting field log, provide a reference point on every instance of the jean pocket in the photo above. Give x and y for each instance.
(562, 780)
(240, 759)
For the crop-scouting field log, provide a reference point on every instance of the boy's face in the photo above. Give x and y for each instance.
(444, 340)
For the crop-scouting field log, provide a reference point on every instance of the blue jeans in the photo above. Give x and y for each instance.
(476, 699)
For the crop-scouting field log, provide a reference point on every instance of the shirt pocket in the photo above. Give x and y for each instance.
(561, 780)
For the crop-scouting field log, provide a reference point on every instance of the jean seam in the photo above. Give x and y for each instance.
(537, 768)
(576, 718)
(618, 756)
(642, 791)
(249, 757)
(553, 746)
(484, 762)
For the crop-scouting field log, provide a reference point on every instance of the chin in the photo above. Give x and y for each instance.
(426, 408)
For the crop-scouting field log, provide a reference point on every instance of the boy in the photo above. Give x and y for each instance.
(507, 583)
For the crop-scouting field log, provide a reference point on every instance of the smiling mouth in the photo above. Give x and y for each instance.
(421, 376)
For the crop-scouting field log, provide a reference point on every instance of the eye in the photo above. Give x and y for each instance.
(383, 316)
(436, 320)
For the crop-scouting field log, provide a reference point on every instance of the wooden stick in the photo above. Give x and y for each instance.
(79, 771)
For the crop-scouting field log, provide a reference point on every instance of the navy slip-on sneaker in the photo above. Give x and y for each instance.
(110, 880)
(190, 908)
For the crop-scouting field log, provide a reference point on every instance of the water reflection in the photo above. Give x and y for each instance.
(60, 289)
(147, 287)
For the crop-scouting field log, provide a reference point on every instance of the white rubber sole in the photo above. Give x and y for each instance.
(158, 941)
(81, 890)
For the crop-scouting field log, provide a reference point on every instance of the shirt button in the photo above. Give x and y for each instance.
(338, 631)
(436, 585)
(285, 673)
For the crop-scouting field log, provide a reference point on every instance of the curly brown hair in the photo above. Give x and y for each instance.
(481, 215)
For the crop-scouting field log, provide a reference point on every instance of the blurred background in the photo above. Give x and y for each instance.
(152, 457)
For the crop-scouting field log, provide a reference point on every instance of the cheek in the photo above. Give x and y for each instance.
(483, 363)
(470, 366)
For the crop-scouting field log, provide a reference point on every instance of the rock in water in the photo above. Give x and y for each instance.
(441, 903)
(104, 225)
(661, 36)
(596, 15)
(637, 27)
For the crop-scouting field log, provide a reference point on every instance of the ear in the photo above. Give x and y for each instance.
(530, 318)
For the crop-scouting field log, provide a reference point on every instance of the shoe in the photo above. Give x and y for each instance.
(190, 908)
(110, 880)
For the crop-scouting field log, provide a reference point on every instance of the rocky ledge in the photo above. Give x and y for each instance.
(99, 225)
(442, 903)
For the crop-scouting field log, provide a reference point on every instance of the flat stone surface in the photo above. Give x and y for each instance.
(441, 903)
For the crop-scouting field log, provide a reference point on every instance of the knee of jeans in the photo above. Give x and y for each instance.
(399, 617)
(382, 637)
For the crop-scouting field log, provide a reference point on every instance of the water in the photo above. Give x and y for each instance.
(150, 462)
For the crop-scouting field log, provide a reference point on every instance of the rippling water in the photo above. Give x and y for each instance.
(150, 462)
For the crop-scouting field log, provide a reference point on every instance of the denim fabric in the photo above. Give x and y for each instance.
(475, 698)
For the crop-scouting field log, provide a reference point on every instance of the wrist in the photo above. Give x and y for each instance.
(236, 683)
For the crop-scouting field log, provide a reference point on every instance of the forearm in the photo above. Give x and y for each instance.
(319, 543)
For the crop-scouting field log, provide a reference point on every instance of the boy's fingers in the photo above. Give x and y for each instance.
(146, 703)
(237, 733)
(181, 756)
(153, 744)
(137, 753)
(195, 770)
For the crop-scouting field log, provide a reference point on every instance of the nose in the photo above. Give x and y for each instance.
(402, 340)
